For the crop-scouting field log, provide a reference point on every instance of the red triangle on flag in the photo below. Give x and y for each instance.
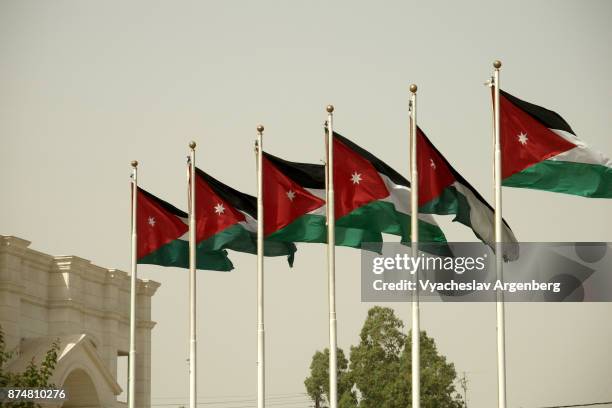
(356, 181)
(213, 214)
(156, 226)
(284, 199)
(434, 172)
(524, 140)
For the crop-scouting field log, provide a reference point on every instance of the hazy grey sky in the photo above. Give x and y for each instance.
(87, 86)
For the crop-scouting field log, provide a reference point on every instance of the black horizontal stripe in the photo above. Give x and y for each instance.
(548, 118)
(460, 178)
(240, 201)
(307, 175)
(378, 164)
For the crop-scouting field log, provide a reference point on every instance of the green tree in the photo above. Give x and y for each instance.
(375, 361)
(438, 376)
(317, 384)
(379, 375)
(34, 376)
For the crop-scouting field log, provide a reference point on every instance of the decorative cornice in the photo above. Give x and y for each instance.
(9, 240)
(146, 324)
(19, 247)
(147, 287)
(73, 266)
(117, 278)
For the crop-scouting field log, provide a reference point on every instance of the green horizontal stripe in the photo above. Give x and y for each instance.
(239, 239)
(451, 201)
(586, 180)
(382, 216)
(176, 253)
(312, 228)
(234, 237)
(444, 204)
(307, 228)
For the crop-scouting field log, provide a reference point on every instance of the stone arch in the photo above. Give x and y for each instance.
(80, 389)
(93, 339)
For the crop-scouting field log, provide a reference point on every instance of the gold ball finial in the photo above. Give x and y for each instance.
(497, 64)
(260, 128)
(330, 108)
(413, 88)
(192, 145)
(134, 163)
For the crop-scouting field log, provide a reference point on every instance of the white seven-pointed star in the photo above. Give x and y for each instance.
(151, 221)
(219, 209)
(433, 165)
(522, 138)
(290, 195)
(355, 178)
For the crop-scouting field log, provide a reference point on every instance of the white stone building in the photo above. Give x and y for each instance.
(44, 298)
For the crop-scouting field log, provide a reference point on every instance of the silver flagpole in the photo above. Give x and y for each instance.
(192, 281)
(501, 324)
(414, 219)
(331, 263)
(132, 359)
(261, 334)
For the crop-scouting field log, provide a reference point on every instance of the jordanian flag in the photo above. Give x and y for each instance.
(443, 191)
(227, 219)
(541, 151)
(371, 195)
(163, 237)
(294, 205)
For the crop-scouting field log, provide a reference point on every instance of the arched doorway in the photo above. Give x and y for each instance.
(80, 390)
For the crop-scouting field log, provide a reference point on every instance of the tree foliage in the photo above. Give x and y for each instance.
(317, 384)
(34, 376)
(379, 374)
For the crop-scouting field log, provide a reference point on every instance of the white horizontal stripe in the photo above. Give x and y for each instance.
(319, 193)
(185, 236)
(482, 217)
(400, 198)
(250, 223)
(582, 153)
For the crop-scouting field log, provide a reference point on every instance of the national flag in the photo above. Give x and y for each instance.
(541, 151)
(227, 219)
(370, 195)
(163, 237)
(443, 191)
(295, 208)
